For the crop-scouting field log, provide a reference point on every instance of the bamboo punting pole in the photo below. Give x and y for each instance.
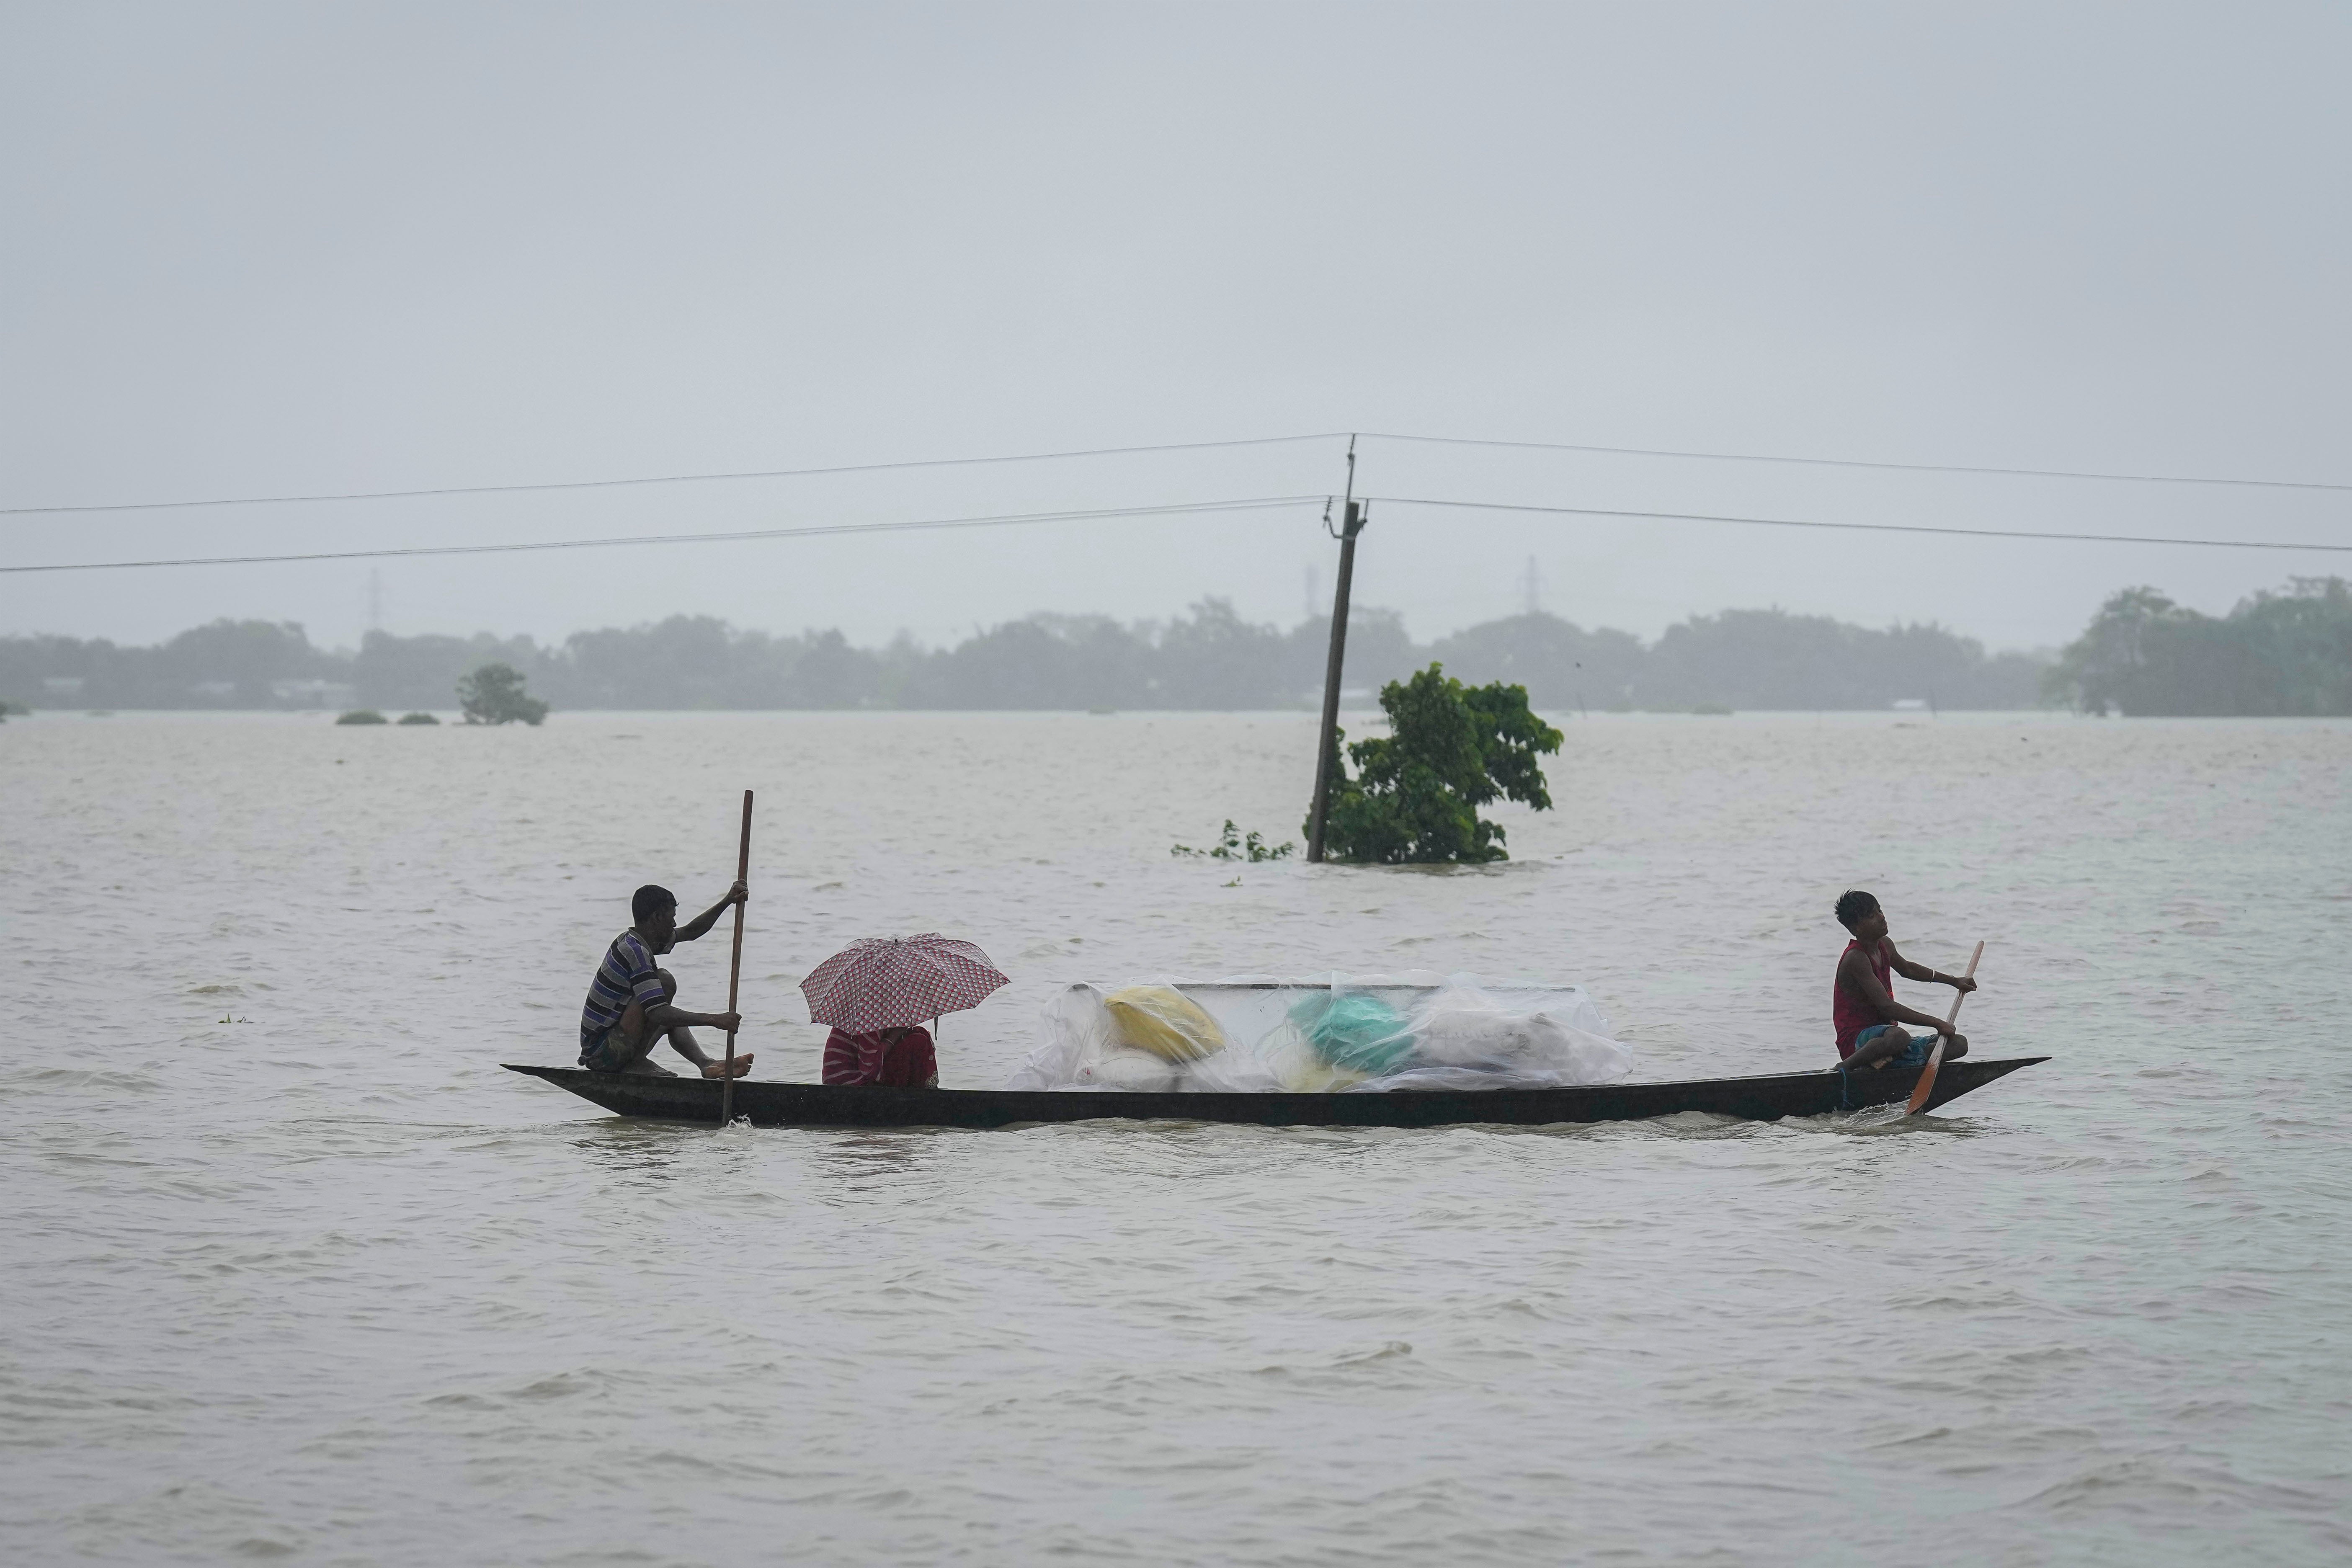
(735, 967)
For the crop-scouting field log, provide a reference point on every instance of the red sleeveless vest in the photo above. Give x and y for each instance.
(1854, 1013)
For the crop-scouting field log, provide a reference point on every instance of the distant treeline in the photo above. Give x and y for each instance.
(2284, 653)
(1209, 658)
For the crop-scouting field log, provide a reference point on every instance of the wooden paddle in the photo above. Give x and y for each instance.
(735, 967)
(1927, 1085)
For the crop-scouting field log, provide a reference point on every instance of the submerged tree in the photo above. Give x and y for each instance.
(1450, 749)
(2288, 652)
(494, 695)
(1234, 846)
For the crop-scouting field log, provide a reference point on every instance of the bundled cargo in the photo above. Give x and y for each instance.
(1341, 1035)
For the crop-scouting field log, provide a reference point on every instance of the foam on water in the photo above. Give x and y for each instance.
(292, 1270)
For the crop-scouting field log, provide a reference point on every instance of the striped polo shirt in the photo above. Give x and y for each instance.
(626, 975)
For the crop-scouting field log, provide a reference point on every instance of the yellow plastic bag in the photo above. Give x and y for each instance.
(1164, 1021)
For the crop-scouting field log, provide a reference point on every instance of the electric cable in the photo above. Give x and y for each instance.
(1254, 503)
(657, 479)
(1860, 527)
(639, 481)
(1862, 463)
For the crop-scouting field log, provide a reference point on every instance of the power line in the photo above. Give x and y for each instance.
(641, 481)
(1255, 503)
(1858, 527)
(1860, 463)
(657, 479)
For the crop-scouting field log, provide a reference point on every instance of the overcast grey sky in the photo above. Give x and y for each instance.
(250, 249)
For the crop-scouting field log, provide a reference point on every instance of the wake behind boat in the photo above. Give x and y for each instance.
(1763, 1098)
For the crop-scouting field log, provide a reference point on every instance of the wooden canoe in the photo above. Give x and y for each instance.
(1766, 1098)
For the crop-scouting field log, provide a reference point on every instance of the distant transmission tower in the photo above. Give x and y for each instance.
(1535, 588)
(375, 600)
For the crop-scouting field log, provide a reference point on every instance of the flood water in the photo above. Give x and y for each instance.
(293, 1271)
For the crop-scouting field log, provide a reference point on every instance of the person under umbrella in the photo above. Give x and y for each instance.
(876, 992)
(893, 1058)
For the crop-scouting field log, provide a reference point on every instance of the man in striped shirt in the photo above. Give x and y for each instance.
(631, 1004)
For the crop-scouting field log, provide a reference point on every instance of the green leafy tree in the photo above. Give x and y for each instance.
(1450, 749)
(494, 695)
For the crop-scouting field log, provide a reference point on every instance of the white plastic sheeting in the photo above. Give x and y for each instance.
(1347, 1033)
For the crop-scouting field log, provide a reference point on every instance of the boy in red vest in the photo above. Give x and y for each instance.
(1869, 1018)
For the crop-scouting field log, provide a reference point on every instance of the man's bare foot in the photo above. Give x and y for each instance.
(719, 1069)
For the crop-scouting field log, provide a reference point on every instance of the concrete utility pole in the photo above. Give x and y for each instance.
(1352, 519)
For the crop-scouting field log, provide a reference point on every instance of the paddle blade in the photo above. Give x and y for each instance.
(1927, 1085)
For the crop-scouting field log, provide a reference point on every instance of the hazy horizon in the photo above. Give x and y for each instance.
(274, 250)
(953, 636)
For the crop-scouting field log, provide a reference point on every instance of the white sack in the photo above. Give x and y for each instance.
(1464, 1035)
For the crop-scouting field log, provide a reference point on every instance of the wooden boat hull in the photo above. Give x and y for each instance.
(1767, 1099)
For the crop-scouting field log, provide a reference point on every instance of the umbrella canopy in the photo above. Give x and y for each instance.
(891, 983)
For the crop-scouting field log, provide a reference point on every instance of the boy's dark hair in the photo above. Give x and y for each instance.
(1852, 905)
(650, 900)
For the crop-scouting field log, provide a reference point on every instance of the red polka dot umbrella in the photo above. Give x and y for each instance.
(891, 983)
